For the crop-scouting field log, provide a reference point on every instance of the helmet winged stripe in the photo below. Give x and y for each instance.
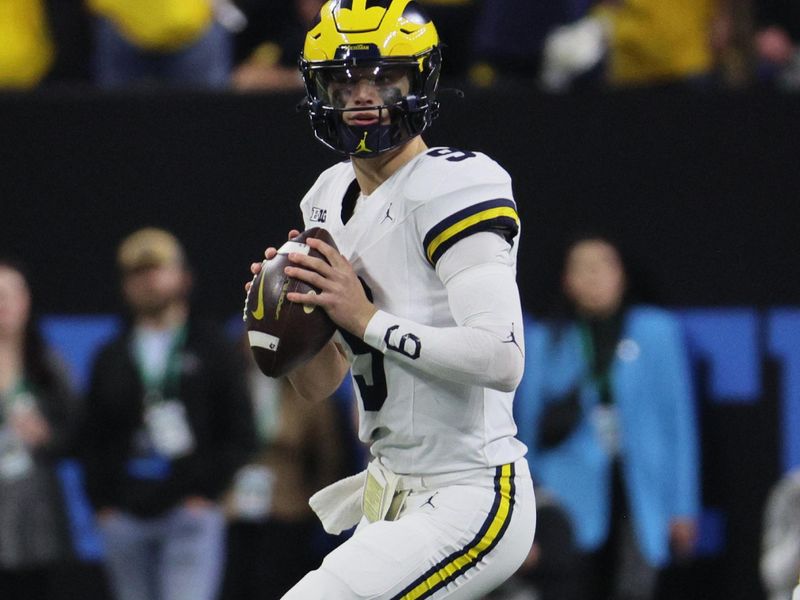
(365, 4)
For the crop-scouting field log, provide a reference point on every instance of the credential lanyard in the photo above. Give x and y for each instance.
(161, 385)
(20, 390)
(601, 380)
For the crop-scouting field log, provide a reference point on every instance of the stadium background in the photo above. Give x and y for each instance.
(702, 189)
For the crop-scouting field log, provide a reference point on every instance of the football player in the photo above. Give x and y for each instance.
(423, 290)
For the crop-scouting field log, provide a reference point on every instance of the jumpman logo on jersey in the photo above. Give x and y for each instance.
(512, 339)
(429, 501)
(362, 145)
(387, 215)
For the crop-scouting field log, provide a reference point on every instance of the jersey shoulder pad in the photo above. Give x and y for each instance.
(442, 171)
(457, 198)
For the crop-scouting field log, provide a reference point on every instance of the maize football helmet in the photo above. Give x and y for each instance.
(371, 71)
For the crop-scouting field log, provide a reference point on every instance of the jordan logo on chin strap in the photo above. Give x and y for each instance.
(362, 145)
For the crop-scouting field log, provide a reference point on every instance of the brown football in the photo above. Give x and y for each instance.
(285, 334)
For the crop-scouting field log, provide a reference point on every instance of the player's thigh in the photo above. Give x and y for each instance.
(377, 559)
(495, 545)
(466, 541)
(381, 556)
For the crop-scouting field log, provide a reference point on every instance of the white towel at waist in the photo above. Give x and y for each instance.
(338, 505)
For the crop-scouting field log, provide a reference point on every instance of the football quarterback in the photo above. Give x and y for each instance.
(422, 287)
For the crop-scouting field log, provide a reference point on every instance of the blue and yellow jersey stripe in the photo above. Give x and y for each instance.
(499, 215)
(491, 532)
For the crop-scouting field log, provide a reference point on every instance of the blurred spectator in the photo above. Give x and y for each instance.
(169, 422)
(553, 561)
(606, 409)
(268, 49)
(656, 42)
(300, 452)
(71, 29)
(780, 544)
(732, 39)
(169, 42)
(35, 409)
(45, 42)
(777, 41)
(510, 34)
(26, 51)
(644, 43)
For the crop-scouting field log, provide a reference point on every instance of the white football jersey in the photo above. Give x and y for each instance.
(419, 424)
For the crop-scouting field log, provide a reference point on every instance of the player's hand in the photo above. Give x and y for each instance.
(532, 560)
(255, 268)
(105, 514)
(683, 535)
(31, 426)
(197, 504)
(341, 293)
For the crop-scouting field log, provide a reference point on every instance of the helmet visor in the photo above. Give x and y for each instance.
(351, 88)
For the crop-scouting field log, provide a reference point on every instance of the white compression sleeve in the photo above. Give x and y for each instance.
(486, 346)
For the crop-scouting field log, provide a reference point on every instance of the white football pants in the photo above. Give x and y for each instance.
(458, 541)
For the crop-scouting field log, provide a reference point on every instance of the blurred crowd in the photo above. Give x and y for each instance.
(196, 469)
(554, 45)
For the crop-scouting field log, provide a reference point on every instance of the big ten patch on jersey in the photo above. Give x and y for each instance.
(318, 215)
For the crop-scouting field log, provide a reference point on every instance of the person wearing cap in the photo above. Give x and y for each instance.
(169, 421)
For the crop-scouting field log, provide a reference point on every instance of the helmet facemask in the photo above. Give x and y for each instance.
(366, 106)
